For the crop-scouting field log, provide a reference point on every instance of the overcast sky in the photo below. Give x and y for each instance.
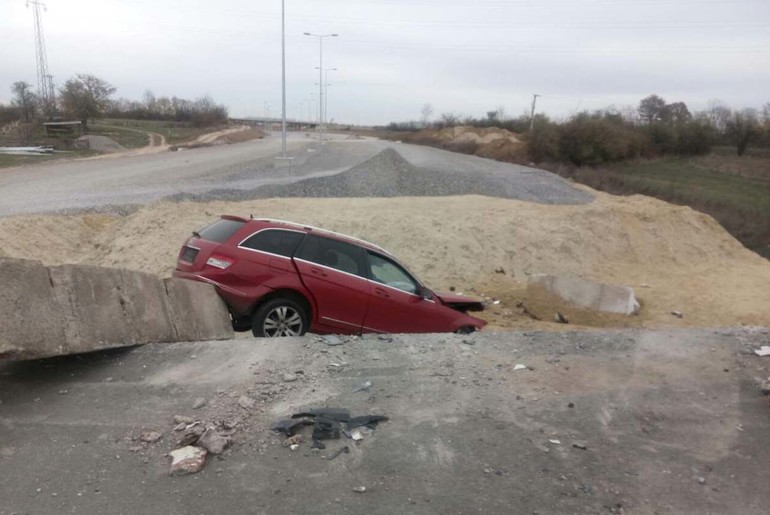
(394, 56)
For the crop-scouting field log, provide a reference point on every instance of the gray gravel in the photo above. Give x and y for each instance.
(389, 174)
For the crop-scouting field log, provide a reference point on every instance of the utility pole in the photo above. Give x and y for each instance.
(326, 93)
(44, 83)
(320, 80)
(532, 116)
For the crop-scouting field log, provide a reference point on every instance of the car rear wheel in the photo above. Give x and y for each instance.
(279, 317)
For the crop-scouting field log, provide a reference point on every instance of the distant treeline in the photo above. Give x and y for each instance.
(86, 96)
(201, 112)
(655, 128)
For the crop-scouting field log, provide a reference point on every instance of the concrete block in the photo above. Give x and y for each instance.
(31, 323)
(70, 309)
(109, 307)
(196, 311)
(584, 294)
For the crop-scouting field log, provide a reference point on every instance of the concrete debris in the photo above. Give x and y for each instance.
(356, 436)
(363, 387)
(332, 340)
(198, 403)
(583, 294)
(519, 366)
(212, 441)
(292, 440)
(187, 460)
(246, 402)
(763, 351)
(359, 489)
(150, 436)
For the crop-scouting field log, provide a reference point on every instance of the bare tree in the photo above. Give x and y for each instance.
(742, 127)
(85, 96)
(652, 109)
(678, 112)
(718, 114)
(24, 99)
(426, 113)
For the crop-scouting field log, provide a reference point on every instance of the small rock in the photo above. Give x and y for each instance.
(678, 314)
(292, 440)
(294, 446)
(187, 460)
(571, 405)
(199, 403)
(500, 270)
(558, 317)
(148, 436)
(555, 442)
(246, 402)
(519, 367)
(63, 392)
(580, 445)
(332, 340)
(356, 435)
(181, 419)
(289, 378)
(702, 480)
(764, 387)
(359, 489)
(213, 441)
(469, 342)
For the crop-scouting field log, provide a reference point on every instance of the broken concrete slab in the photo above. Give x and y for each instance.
(187, 460)
(30, 321)
(196, 311)
(584, 294)
(70, 309)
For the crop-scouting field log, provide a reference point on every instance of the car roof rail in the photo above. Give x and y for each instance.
(326, 231)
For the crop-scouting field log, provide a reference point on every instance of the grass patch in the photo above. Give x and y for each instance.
(129, 138)
(7, 161)
(174, 132)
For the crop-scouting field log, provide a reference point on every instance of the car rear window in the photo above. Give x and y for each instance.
(221, 230)
(274, 241)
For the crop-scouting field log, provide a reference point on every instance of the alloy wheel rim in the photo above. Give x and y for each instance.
(282, 321)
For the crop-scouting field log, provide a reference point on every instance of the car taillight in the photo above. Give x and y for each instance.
(220, 262)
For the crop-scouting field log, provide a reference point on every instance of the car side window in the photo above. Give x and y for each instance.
(274, 241)
(333, 254)
(388, 272)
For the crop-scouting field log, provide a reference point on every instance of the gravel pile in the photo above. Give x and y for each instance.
(388, 174)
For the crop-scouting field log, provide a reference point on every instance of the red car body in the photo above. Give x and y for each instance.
(336, 284)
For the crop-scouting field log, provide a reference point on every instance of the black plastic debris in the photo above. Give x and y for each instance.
(369, 421)
(342, 450)
(327, 425)
(290, 426)
(338, 414)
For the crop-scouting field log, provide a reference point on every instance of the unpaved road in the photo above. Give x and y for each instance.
(672, 422)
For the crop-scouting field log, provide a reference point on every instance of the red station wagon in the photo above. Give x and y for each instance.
(283, 279)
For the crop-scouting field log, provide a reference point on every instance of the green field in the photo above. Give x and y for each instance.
(734, 190)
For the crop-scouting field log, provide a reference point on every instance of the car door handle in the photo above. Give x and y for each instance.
(318, 271)
(381, 292)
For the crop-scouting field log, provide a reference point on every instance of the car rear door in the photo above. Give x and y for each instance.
(334, 272)
(395, 304)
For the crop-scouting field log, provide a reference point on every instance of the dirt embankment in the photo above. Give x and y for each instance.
(675, 258)
(489, 142)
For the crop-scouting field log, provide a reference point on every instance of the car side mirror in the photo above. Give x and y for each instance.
(424, 292)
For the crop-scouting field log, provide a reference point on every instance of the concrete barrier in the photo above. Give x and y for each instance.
(69, 309)
(583, 294)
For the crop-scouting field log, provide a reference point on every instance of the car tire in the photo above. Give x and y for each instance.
(279, 317)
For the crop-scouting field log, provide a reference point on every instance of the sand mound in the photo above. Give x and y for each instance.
(675, 257)
(480, 136)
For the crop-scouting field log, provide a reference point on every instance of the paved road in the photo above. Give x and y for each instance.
(671, 422)
(107, 182)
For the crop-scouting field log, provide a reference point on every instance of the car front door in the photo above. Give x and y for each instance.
(335, 274)
(396, 304)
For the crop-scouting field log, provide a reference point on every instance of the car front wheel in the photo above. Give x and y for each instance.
(279, 317)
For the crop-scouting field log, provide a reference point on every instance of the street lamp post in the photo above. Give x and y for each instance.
(283, 79)
(320, 78)
(326, 93)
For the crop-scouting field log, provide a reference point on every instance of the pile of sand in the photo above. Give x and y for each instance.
(480, 136)
(676, 258)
